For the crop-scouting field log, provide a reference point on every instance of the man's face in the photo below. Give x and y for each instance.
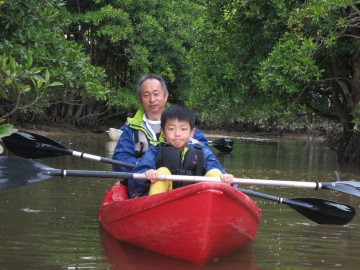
(153, 98)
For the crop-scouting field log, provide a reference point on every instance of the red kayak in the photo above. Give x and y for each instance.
(196, 223)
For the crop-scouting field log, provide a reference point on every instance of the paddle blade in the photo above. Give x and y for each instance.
(15, 172)
(350, 187)
(224, 145)
(30, 145)
(323, 211)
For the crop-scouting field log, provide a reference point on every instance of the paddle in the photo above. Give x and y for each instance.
(318, 210)
(224, 145)
(17, 172)
(30, 145)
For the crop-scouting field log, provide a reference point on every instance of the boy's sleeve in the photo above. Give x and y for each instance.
(211, 161)
(138, 188)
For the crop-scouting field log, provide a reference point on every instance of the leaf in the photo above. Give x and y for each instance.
(8, 81)
(3, 95)
(25, 88)
(6, 130)
(29, 60)
(4, 60)
(47, 75)
(39, 84)
(37, 70)
(39, 78)
(12, 64)
(56, 84)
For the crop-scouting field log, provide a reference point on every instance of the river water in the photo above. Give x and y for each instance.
(53, 224)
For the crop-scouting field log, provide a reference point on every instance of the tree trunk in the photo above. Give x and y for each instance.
(345, 96)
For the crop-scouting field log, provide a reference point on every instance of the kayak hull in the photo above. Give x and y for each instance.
(196, 223)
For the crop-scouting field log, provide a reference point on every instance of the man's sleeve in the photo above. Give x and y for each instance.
(125, 150)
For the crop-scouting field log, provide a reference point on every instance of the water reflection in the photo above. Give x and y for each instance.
(286, 160)
(125, 256)
(288, 242)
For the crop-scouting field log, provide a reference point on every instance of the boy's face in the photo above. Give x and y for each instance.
(177, 133)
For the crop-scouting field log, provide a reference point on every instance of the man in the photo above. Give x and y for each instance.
(143, 129)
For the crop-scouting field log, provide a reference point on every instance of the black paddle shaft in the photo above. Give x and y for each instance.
(16, 172)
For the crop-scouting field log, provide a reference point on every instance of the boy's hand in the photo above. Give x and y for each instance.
(227, 178)
(152, 175)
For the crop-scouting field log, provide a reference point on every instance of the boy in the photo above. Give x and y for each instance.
(178, 155)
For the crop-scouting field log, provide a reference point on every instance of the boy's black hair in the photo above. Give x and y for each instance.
(178, 112)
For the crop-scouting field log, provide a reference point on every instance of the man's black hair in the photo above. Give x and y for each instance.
(149, 77)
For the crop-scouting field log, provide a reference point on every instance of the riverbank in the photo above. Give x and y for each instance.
(59, 129)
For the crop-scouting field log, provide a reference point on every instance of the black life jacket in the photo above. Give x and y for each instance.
(171, 158)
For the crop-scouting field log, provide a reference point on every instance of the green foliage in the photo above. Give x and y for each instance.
(275, 62)
(15, 76)
(16, 81)
(131, 38)
(6, 129)
(293, 61)
(125, 38)
(311, 55)
(264, 63)
(128, 99)
(290, 58)
(33, 32)
(234, 38)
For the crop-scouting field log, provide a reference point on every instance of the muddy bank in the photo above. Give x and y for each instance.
(57, 129)
(64, 129)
